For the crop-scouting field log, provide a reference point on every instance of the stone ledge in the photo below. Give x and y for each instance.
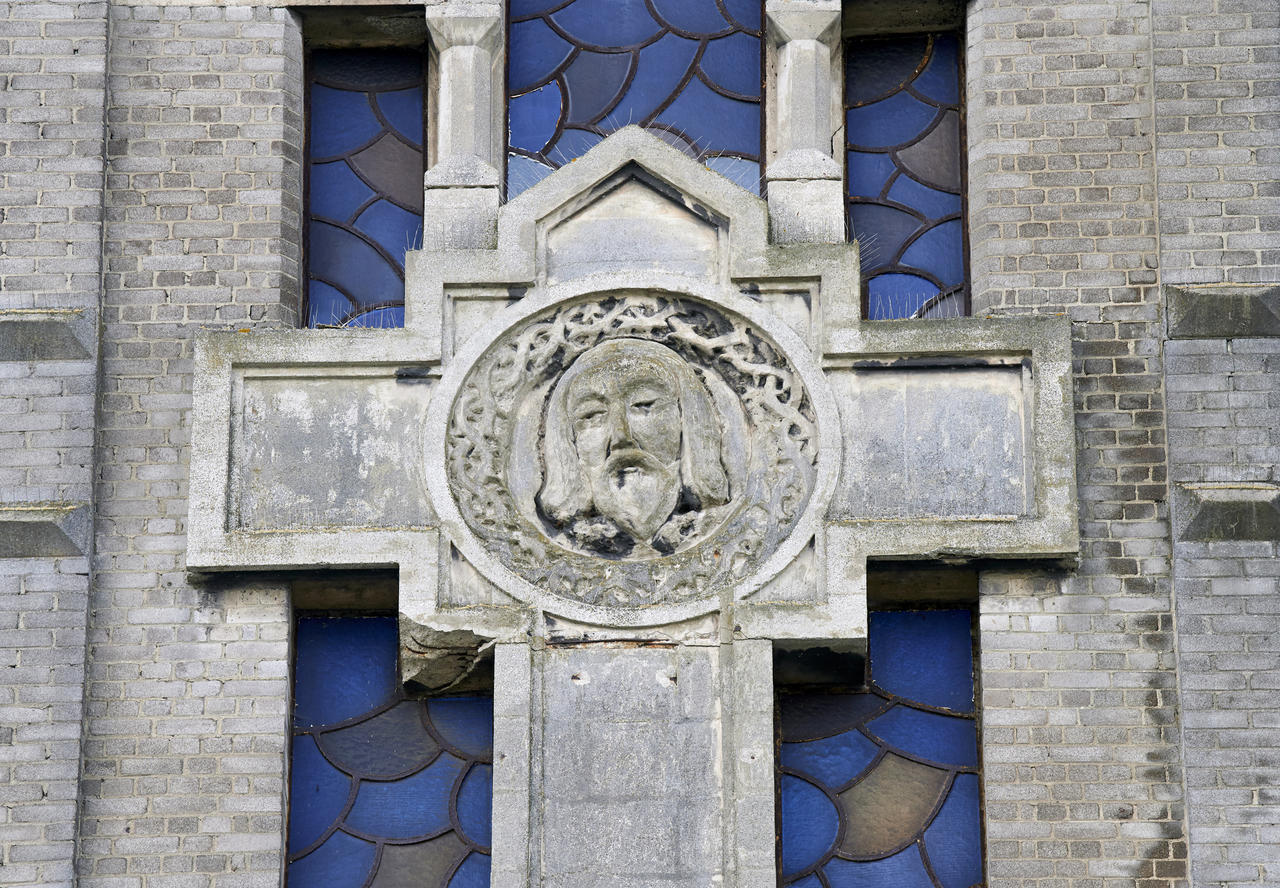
(1221, 512)
(44, 530)
(1227, 312)
(42, 336)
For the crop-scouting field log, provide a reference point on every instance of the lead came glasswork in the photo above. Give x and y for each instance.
(880, 787)
(687, 70)
(364, 194)
(385, 791)
(906, 195)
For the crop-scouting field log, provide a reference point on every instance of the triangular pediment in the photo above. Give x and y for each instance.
(634, 203)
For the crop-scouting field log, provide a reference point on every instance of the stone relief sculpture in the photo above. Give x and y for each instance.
(631, 449)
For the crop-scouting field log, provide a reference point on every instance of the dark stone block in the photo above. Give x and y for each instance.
(43, 531)
(1223, 312)
(39, 340)
(1222, 513)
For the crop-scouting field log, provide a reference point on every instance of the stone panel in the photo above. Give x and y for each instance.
(938, 443)
(316, 450)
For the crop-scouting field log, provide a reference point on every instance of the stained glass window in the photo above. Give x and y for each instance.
(384, 791)
(364, 184)
(904, 159)
(687, 70)
(879, 787)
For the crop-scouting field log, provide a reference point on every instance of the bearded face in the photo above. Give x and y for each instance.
(626, 425)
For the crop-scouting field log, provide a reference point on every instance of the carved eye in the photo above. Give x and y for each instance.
(643, 406)
(591, 416)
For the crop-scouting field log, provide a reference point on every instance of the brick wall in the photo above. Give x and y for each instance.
(1224, 400)
(1082, 772)
(1218, 139)
(188, 684)
(51, 136)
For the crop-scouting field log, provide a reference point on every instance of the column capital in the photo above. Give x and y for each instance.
(803, 20)
(453, 23)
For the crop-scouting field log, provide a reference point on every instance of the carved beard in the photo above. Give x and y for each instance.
(636, 491)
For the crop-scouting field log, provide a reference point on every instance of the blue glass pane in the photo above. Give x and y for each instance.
(697, 16)
(318, 793)
(394, 229)
(532, 117)
(341, 121)
(414, 806)
(353, 265)
(890, 121)
(662, 66)
(954, 841)
(930, 201)
(834, 761)
(366, 114)
(897, 295)
(710, 119)
(942, 678)
(574, 143)
(809, 824)
(733, 63)
(745, 173)
(473, 873)
(475, 805)
(403, 110)
(335, 191)
(594, 82)
(523, 173)
(940, 252)
(940, 80)
(619, 63)
(325, 305)
(344, 668)
(536, 53)
(465, 723)
(945, 739)
(745, 12)
(809, 881)
(387, 318)
(521, 8)
(607, 22)
(343, 861)
(390, 744)
(868, 172)
(814, 716)
(903, 127)
(876, 67)
(881, 231)
(903, 870)
(367, 69)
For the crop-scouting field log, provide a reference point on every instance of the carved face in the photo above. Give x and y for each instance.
(627, 431)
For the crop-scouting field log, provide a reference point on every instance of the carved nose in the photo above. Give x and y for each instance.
(619, 431)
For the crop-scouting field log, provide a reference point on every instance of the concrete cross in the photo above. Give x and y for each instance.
(633, 447)
(633, 436)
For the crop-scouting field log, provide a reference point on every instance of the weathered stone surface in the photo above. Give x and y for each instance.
(945, 442)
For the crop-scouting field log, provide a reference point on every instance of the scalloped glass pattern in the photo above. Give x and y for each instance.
(687, 70)
(364, 184)
(880, 787)
(904, 164)
(384, 792)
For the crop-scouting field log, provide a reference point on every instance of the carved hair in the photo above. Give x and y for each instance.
(566, 492)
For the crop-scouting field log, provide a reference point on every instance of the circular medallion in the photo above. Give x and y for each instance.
(629, 449)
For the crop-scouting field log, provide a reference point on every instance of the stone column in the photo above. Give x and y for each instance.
(806, 190)
(463, 184)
